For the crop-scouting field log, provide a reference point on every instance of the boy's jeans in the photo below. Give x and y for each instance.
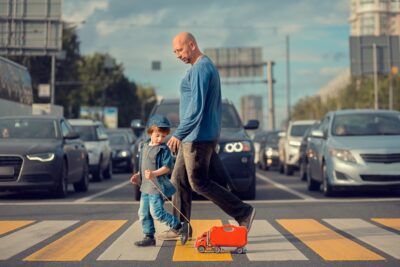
(152, 206)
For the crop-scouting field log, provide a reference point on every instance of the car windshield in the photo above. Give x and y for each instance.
(273, 138)
(299, 130)
(366, 124)
(86, 133)
(28, 129)
(230, 118)
(118, 139)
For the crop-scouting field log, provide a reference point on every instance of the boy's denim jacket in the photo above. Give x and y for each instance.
(163, 158)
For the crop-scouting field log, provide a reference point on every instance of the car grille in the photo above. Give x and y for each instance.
(380, 178)
(11, 161)
(381, 158)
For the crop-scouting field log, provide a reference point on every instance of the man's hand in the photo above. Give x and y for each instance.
(149, 174)
(173, 144)
(135, 179)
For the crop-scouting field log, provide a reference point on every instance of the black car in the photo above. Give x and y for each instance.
(122, 142)
(269, 152)
(41, 153)
(235, 148)
(303, 160)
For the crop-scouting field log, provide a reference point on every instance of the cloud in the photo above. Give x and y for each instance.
(78, 11)
(330, 71)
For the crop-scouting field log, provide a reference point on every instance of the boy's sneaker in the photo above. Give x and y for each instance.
(146, 242)
(248, 221)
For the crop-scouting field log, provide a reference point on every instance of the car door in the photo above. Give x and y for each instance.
(72, 149)
(320, 147)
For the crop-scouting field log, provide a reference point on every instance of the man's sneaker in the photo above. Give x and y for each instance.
(173, 234)
(248, 221)
(146, 242)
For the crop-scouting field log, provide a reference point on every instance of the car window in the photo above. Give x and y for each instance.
(65, 128)
(273, 138)
(87, 133)
(28, 128)
(298, 130)
(230, 118)
(118, 139)
(366, 124)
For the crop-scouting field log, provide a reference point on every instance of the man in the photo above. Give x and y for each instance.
(196, 137)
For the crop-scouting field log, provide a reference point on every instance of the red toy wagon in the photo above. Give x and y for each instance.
(219, 237)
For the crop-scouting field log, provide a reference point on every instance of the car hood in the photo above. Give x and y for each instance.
(27, 146)
(381, 142)
(233, 134)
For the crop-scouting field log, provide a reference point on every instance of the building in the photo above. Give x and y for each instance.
(252, 109)
(375, 36)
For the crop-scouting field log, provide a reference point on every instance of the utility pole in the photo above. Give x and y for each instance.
(53, 79)
(287, 79)
(271, 108)
(376, 102)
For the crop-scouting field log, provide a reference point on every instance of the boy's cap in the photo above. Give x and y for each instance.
(159, 121)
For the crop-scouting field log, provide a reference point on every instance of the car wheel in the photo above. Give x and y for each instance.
(61, 190)
(288, 170)
(327, 189)
(83, 184)
(98, 174)
(107, 173)
(312, 185)
(302, 171)
(239, 250)
(217, 249)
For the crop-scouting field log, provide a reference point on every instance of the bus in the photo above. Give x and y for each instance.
(16, 95)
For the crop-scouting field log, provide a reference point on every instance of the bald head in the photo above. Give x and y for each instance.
(185, 47)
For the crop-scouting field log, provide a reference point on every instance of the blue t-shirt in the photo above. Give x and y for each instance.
(200, 103)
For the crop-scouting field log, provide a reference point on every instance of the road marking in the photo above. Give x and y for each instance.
(389, 222)
(283, 187)
(265, 243)
(8, 226)
(23, 239)
(373, 235)
(124, 249)
(189, 253)
(115, 187)
(330, 245)
(77, 244)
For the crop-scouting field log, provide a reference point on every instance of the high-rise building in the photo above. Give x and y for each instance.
(375, 17)
(251, 109)
(375, 36)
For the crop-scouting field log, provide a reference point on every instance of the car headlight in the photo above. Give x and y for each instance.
(42, 157)
(243, 146)
(123, 153)
(342, 154)
(294, 143)
(270, 152)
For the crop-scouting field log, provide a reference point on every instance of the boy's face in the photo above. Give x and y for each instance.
(157, 137)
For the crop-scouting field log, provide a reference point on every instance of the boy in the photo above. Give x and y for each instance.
(155, 163)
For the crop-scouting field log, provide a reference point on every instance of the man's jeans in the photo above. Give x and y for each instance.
(152, 206)
(192, 171)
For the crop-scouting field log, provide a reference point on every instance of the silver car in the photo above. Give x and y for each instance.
(355, 149)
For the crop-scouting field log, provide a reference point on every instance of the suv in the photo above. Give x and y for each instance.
(92, 132)
(289, 145)
(235, 148)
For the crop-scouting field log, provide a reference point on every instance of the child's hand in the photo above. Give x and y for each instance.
(135, 179)
(149, 174)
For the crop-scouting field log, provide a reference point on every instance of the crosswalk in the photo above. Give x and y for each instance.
(331, 239)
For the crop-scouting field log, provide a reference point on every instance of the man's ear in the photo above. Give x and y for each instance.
(192, 46)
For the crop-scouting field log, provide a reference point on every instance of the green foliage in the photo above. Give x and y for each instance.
(358, 94)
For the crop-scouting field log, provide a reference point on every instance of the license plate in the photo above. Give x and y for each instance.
(6, 171)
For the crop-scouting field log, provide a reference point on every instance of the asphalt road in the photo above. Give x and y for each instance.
(293, 227)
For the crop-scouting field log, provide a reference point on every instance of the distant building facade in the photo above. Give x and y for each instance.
(374, 23)
(252, 109)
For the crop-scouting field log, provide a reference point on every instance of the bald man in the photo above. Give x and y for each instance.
(196, 138)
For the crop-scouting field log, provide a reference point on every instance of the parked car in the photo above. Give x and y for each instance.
(303, 151)
(269, 153)
(355, 149)
(41, 153)
(93, 133)
(259, 138)
(122, 142)
(235, 148)
(289, 145)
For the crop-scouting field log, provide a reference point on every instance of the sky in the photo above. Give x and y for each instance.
(138, 32)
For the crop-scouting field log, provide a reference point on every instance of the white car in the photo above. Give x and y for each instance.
(97, 144)
(289, 145)
(355, 149)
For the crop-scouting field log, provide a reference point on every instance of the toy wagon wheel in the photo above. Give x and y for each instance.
(217, 249)
(239, 250)
(201, 249)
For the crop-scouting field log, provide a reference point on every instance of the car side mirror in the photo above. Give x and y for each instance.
(317, 134)
(137, 127)
(72, 135)
(252, 125)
